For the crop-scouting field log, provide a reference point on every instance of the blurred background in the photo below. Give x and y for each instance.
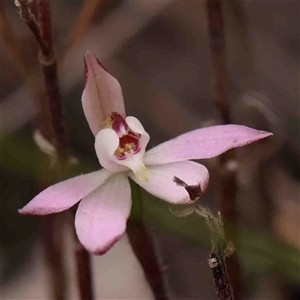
(159, 52)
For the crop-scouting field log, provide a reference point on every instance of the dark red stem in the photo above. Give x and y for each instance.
(52, 128)
(219, 272)
(44, 17)
(227, 178)
(53, 241)
(142, 245)
(84, 275)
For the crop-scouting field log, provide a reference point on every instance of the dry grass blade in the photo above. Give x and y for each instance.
(82, 24)
(182, 213)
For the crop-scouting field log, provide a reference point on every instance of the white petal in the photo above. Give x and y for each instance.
(135, 161)
(106, 143)
(136, 126)
(161, 183)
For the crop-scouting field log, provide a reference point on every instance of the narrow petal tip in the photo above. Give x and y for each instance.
(88, 53)
(90, 60)
(90, 57)
(39, 211)
(266, 133)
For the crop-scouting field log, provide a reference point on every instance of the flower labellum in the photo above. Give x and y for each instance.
(129, 139)
(120, 143)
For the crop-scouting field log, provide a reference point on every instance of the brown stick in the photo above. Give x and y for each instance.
(44, 17)
(143, 246)
(48, 63)
(30, 20)
(227, 178)
(49, 67)
(219, 272)
(46, 57)
(84, 274)
(53, 246)
(53, 114)
(218, 57)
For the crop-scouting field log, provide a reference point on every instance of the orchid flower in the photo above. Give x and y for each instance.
(120, 143)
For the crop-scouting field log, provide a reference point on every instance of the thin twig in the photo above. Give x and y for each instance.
(28, 17)
(220, 248)
(219, 272)
(227, 178)
(44, 19)
(52, 240)
(218, 57)
(143, 247)
(49, 67)
(53, 115)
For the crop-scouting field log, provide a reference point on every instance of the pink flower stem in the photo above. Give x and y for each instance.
(227, 178)
(52, 127)
(143, 246)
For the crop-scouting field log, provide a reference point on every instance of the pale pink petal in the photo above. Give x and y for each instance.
(65, 194)
(164, 179)
(203, 143)
(102, 94)
(101, 216)
(106, 143)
